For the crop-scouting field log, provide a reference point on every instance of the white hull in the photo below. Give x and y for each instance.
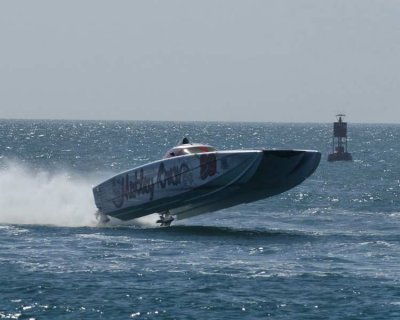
(193, 184)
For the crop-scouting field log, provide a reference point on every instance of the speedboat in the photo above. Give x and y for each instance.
(194, 179)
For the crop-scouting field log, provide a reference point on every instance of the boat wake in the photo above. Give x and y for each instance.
(29, 196)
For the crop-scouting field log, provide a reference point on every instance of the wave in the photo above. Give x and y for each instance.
(237, 233)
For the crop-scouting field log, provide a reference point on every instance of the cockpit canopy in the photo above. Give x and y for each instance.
(186, 149)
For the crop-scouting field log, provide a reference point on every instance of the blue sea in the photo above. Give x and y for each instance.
(327, 249)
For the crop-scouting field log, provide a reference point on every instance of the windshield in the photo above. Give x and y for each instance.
(180, 151)
(198, 149)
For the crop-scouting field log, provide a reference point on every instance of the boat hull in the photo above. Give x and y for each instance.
(189, 185)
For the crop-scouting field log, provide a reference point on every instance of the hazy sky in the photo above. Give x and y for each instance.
(248, 60)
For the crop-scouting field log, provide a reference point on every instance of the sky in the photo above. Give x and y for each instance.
(204, 60)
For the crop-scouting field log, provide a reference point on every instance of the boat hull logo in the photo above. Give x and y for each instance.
(137, 184)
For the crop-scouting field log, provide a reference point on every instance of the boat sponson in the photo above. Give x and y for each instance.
(279, 171)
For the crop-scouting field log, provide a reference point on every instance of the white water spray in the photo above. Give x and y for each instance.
(38, 197)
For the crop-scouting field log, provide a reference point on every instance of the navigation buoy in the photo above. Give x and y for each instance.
(339, 141)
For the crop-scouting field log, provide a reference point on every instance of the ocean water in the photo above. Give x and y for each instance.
(327, 249)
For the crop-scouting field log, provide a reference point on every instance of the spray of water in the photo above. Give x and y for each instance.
(38, 197)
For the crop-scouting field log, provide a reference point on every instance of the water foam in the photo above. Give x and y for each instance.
(38, 197)
(149, 221)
